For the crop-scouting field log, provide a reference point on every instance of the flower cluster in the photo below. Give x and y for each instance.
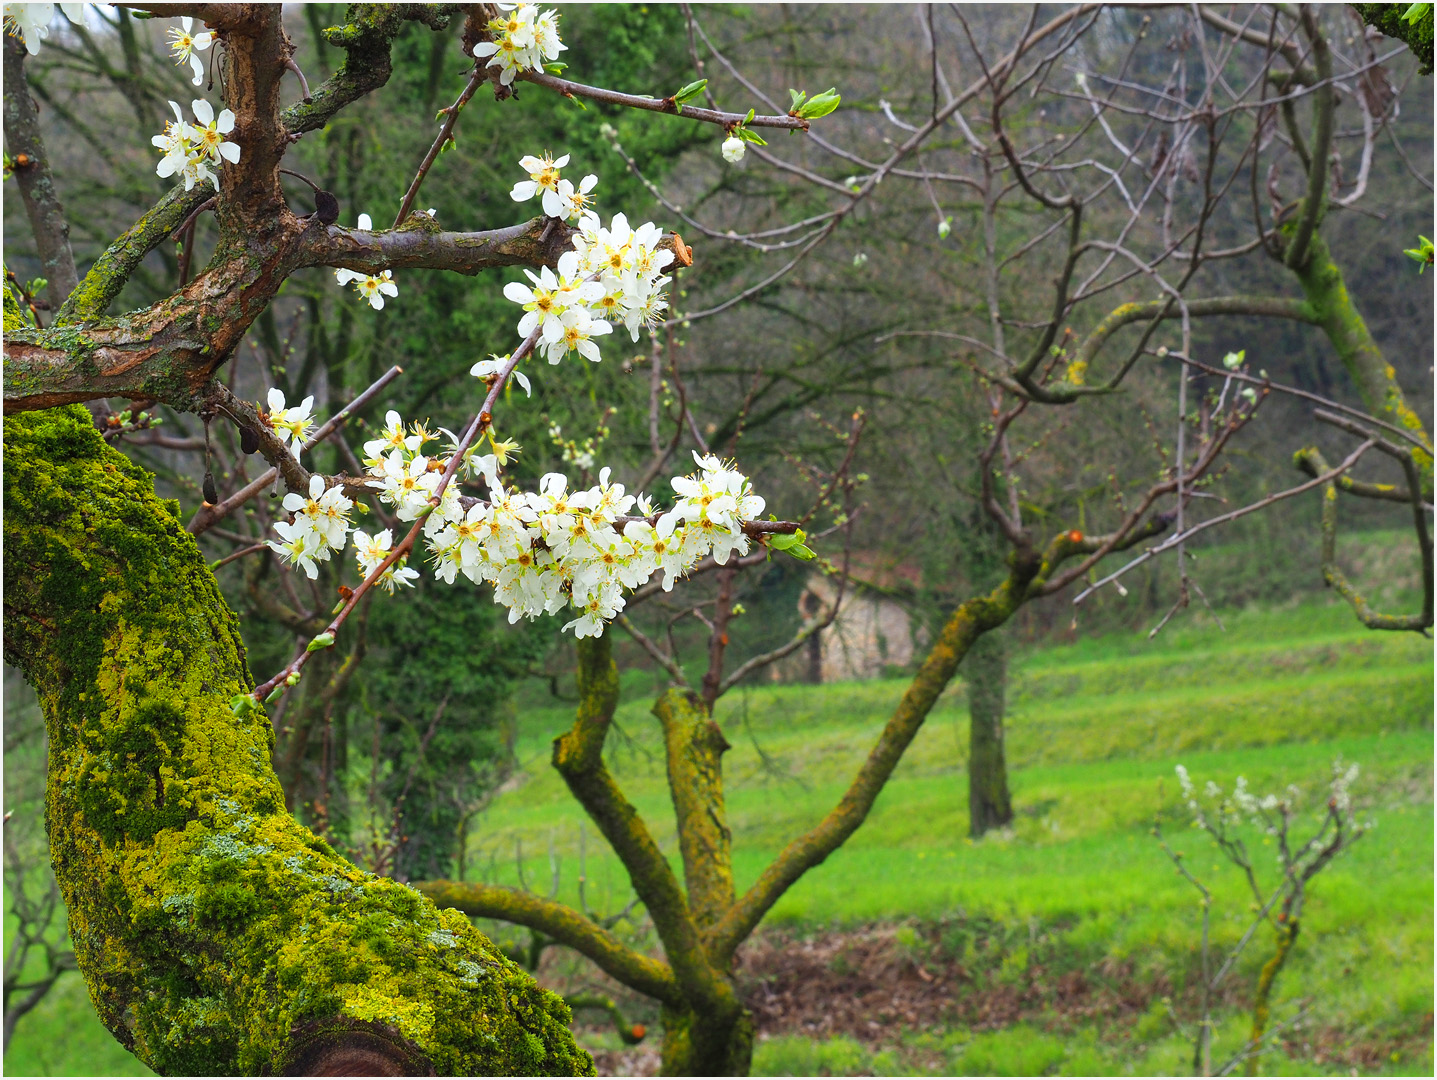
(190, 149)
(524, 40)
(541, 551)
(319, 525)
(613, 275)
(1216, 810)
(185, 44)
(373, 287)
(32, 21)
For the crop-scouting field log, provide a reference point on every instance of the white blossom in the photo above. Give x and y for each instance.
(578, 330)
(209, 136)
(32, 21)
(190, 149)
(372, 287)
(184, 45)
(575, 203)
(175, 143)
(325, 511)
(290, 424)
(301, 546)
(523, 40)
(543, 180)
(732, 149)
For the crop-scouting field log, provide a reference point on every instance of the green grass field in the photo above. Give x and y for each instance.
(1094, 732)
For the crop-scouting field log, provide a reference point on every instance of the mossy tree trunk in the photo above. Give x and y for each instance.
(704, 1044)
(1262, 999)
(215, 933)
(989, 805)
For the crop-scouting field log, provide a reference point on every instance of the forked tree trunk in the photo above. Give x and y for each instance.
(989, 805)
(216, 934)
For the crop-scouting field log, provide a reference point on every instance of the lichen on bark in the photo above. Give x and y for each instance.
(1376, 381)
(215, 933)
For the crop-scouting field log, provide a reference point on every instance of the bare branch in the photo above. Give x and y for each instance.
(725, 120)
(37, 185)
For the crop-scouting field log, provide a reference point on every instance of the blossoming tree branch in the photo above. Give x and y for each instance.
(179, 882)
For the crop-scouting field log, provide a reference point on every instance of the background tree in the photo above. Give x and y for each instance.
(1195, 148)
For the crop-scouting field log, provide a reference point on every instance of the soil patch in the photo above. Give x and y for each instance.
(877, 983)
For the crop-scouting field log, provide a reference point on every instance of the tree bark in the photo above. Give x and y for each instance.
(695, 748)
(216, 934)
(699, 1043)
(989, 805)
(37, 186)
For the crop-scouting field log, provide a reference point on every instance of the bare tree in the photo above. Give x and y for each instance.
(1279, 908)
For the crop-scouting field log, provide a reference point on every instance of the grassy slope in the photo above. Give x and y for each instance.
(1093, 729)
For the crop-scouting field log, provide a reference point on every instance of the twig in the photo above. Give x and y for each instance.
(1347, 463)
(208, 204)
(724, 120)
(446, 132)
(207, 516)
(238, 555)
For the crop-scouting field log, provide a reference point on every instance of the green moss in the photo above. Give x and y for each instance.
(419, 221)
(112, 269)
(1375, 379)
(208, 924)
(1387, 18)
